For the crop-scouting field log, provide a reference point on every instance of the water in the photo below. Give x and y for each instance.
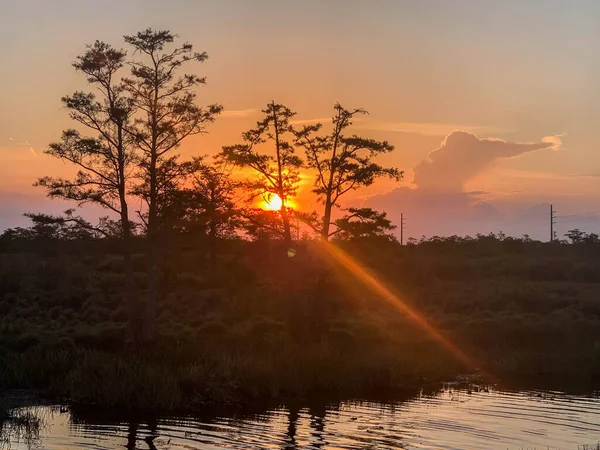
(449, 419)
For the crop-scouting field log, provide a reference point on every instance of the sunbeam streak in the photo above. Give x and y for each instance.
(369, 280)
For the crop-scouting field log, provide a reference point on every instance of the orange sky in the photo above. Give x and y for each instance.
(513, 71)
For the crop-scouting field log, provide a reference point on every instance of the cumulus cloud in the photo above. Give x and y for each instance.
(463, 155)
(438, 204)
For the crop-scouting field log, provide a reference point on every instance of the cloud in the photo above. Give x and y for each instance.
(438, 204)
(463, 155)
(238, 113)
(555, 140)
(310, 121)
(24, 144)
(429, 128)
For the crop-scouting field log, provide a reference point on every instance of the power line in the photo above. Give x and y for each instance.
(402, 224)
(552, 222)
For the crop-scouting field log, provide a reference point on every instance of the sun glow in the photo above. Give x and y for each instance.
(272, 203)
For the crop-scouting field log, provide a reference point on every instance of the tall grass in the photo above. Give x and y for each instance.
(19, 425)
(258, 328)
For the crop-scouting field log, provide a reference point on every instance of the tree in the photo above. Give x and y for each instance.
(343, 163)
(262, 225)
(71, 227)
(363, 223)
(577, 236)
(168, 114)
(52, 227)
(200, 200)
(277, 173)
(214, 191)
(104, 161)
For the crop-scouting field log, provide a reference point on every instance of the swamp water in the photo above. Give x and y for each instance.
(450, 418)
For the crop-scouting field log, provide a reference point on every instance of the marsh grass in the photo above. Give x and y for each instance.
(20, 426)
(259, 328)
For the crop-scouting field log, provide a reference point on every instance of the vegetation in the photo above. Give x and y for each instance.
(19, 425)
(238, 309)
(278, 174)
(342, 163)
(166, 113)
(258, 326)
(104, 162)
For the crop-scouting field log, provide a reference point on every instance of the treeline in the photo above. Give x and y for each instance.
(141, 106)
(574, 236)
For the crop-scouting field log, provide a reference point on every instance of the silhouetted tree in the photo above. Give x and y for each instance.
(104, 160)
(343, 163)
(174, 194)
(62, 227)
(71, 227)
(168, 114)
(577, 236)
(363, 223)
(277, 172)
(260, 224)
(199, 199)
(214, 190)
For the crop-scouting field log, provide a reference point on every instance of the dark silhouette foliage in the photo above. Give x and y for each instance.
(277, 172)
(343, 163)
(166, 114)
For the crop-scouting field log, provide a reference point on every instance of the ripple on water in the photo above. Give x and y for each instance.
(452, 419)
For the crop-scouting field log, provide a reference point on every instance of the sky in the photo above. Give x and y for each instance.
(492, 106)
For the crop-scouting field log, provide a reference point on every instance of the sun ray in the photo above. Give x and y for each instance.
(370, 281)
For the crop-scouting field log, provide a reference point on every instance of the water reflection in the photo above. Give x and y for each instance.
(21, 426)
(132, 432)
(317, 424)
(450, 419)
(293, 416)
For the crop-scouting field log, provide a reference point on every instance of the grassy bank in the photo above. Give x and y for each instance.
(260, 327)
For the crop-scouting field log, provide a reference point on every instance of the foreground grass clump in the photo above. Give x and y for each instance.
(188, 380)
(258, 327)
(19, 425)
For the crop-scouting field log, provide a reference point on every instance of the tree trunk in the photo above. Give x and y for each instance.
(287, 233)
(151, 300)
(153, 244)
(326, 220)
(212, 236)
(130, 297)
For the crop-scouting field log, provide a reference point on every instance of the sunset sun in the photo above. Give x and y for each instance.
(272, 203)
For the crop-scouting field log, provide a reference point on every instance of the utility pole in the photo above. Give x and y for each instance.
(402, 223)
(552, 222)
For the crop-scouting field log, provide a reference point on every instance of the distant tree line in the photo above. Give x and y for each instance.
(574, 236)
